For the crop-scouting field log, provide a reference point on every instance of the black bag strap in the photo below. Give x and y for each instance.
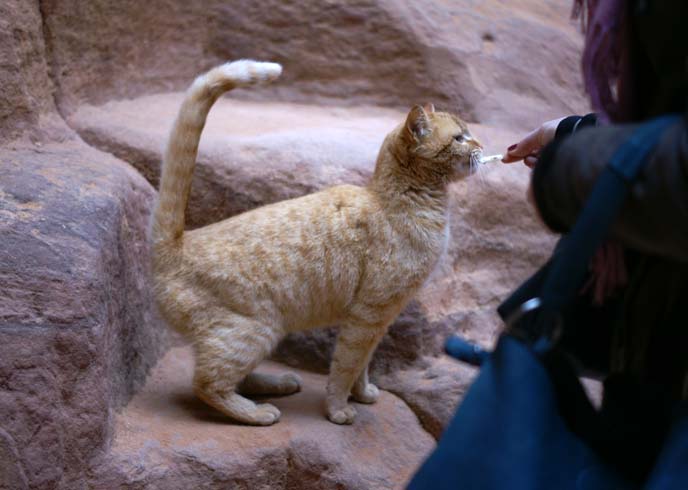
(556, 285)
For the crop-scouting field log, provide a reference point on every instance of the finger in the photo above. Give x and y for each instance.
(510, 158)
(528, 145)
(530, 161)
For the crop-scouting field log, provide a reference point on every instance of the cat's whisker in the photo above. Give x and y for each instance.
(476, 164)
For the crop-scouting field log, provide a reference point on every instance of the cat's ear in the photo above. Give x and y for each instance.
(418, 123)
(429, 107)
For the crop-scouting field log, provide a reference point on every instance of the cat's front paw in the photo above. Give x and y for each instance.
(368, 394)
(345, 415)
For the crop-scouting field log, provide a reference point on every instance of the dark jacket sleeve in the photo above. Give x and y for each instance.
(654, 219)
(571, 124)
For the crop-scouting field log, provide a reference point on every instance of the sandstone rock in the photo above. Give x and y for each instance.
(250, 154)
(477, 57)
(12, 475)
(26, 98)
(78, 330)
(166, 438)
(433, 393)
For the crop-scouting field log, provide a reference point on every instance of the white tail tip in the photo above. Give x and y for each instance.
(249, 72)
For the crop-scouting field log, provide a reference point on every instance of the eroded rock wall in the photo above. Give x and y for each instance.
(514, 63)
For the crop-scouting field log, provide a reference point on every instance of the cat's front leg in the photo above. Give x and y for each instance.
(355, 346)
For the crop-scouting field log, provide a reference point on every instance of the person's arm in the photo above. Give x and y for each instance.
(528, 149)
(655, 217)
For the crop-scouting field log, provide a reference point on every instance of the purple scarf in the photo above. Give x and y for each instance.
(605, 57)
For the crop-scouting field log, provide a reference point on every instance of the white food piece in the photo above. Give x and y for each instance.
(490, 158)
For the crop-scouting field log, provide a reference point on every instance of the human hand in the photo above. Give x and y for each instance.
(528, 149)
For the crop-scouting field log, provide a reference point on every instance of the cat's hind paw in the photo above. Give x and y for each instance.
(290, 383)
(265, 414)
(369, 394)
(264, 384)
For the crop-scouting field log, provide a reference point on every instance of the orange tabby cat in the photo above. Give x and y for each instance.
(349, 255)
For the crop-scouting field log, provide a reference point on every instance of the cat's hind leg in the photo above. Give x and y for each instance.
(225, 355)
(270, 384)
(363, 390)
(355, 346)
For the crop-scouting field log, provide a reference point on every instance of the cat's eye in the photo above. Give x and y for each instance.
(461, 138)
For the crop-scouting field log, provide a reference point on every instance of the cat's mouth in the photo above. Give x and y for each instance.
(474, 163)
(475, 160)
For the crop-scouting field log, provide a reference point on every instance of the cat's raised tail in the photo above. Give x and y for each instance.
(180, 156)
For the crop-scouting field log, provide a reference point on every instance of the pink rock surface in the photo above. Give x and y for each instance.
(167, 439)
(26, 97)
(78, 330)
(514, 63)
(250, 153)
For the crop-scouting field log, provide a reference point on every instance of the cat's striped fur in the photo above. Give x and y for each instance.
(351, 256)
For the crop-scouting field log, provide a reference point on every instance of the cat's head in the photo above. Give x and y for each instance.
(438, 144)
